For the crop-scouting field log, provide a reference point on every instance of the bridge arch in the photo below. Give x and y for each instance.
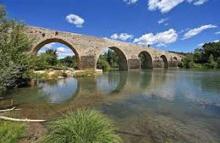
(165, 61)
(43, 42)
(146, 61)
(122, 61)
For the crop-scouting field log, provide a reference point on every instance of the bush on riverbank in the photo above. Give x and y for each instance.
(13, 59)
(11, 132)
(206, 57)
(82, 126)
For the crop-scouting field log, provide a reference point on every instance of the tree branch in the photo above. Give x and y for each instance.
(19, 120)
(7, 110)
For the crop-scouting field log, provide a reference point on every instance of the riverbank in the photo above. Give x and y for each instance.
(52, 74)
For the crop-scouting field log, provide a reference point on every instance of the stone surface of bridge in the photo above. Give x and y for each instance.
(88, 49)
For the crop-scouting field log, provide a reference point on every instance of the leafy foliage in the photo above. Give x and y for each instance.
(206, 57)
(44, 60)
(13, 45)
(69, 61)
(82, 126)
(10, 132)
(103, 64)
(108, 61)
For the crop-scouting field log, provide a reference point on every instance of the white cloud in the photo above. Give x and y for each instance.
(163, 20)
(130, 1)
(122, 36)
(167, 5)
(62, 49)
(163, 5)
(49, 46)
(195, 31)
(162, 38)
(198, 2)
(63, 52)
(75, 19)
(217, 33)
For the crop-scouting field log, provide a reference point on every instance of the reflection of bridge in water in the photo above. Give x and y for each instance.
(112, 85)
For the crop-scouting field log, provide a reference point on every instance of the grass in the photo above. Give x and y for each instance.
(82, 126)
(11, 132)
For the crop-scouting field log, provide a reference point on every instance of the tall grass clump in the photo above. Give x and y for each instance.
(82, 126)
(11, 132)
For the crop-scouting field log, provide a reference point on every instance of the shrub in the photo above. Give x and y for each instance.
(11, 132)
(13, 46)
(82, 126)
(104, 65)
(211, 63)
(188, 61)
(218, 63)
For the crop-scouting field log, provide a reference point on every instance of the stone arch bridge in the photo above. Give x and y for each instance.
(88, 49)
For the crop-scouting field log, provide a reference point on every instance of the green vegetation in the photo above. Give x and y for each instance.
(11, 132)
(69, 61)
(207, 57)
(13, 60)
(49, 60)
(108, 61)
(82, 126)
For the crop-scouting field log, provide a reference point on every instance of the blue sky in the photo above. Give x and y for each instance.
(177, 25)
(62, 50)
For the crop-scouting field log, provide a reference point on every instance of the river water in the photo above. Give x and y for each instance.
(155, 106)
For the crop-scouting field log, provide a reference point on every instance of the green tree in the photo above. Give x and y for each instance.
(211, 62)
(69, 61)
(188, 61)
(44, 60)
(103, 64)
(108, 60)
(51, 57)
(13, 45)
(39, 62)
(205, 57)
(112, 58)
(218, 62)
(212, 48)
(198, 55)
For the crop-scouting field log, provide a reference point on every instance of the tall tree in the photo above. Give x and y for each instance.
(13, 45)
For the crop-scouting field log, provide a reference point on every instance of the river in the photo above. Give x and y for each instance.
(155, 106)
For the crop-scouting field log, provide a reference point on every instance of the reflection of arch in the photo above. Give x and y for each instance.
(38, 46)
(123, 64)
(165, 62)
(111, 82)
(123, 80)
(145, 79)
(146, 60)
(60, 91)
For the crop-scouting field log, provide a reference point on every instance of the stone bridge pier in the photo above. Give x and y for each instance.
(88, 50)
